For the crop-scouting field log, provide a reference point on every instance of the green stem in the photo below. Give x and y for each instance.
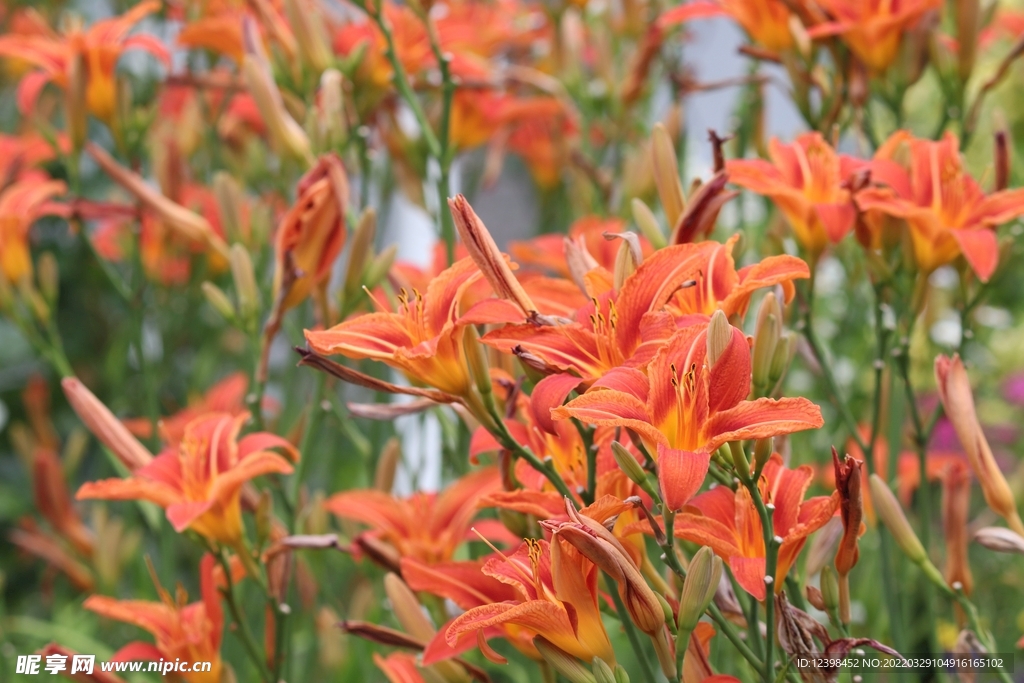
(243, 625)
(545, 467)
(631, 633)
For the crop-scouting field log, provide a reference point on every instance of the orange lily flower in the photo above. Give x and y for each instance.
(426, 526)
(199, 481)
(548, 252)
(99, 47)
(189, 632)
(557, 598)
(946, 210)
(423, 339)
(220, 32)
(625, 328)
(399, 667)
(765, 21)
(728, 523)
(692, 400)
(21, 204)
(808, 182)
(872, 28)
(226, 396)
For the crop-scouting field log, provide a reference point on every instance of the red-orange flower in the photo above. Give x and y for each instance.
(807, 181)
(557, 598)
(728, 523)
(199, 481)
(872, 28)
(946, 210)
(226, 396)
(766, 21)
(99, 47)
(692, 400)
(677, 285)
(21, 204)
(423, 339)
(426, 526)
(186, 632)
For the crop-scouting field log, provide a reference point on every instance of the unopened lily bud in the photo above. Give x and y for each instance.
(766, 340)
(1000, 540)
(76, 106)
(621, 675)
(784, 351)
(666, 174)
(476, 359)
(246, 290)
(563, 662)
(763, 449)
(331, 121)
(602, 672)
(387, 465)
(230, 198)
(216, 297)
(968, 23)
(48, 276)
(814, 597)
(891, 514)
(110, 431)
(407, 608)
(800, 36)
(699, 588)
(488, 257)
(628, 258)
(628, 464)
(647, 223)
(264, 517)
(308, 26)
(719, 336)
(174, 216)
(579, 261)
(516, 522)
(955, 392)
(30, 296)
(287, 136)
(1001, 156)
(739, 459)
(360, 253)
(379, 267)
(829, 588)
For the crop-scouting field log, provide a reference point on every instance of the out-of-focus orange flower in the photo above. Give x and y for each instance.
(557, 598)
(427, 526)
(728, 523)
(423, 339)
(766, 21)
(399, 667)
(691, 401)
(808, 182)
(21, 204)
(677, 285)
(226, 396)
(19, 154)
(925, 184)
(872, 28)
(313, 231)
(199, 480)
(184, 631)
(99, 47)
(956, 502)
(221, 32)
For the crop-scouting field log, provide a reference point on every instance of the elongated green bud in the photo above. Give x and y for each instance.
(647, 224)
(719, 337)
(246, 290)
(360, 253)
(628, 464)
(48, 276)
(829, 588)
(602, 672)
(219, 300)
(229, 197)
(891, 514)
(563, 662)
(763, 449)
(784, 350)
(699, 588)
(766, 339)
